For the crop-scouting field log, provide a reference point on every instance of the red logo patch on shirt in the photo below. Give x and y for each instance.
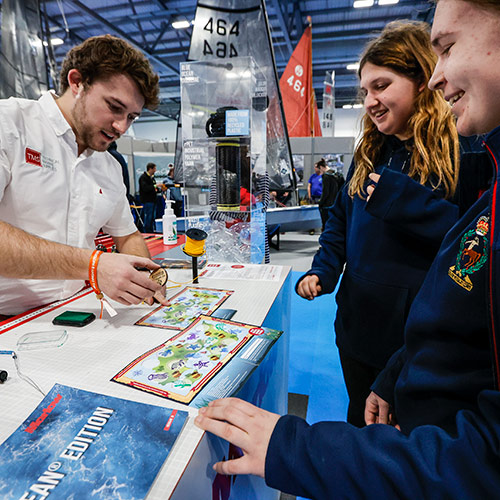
(33, 157)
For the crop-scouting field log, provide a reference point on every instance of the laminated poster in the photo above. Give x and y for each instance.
(82, 445)
(185, 307)
(179, 368)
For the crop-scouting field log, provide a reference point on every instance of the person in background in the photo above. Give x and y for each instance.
(147, 193)
(113, 151)
(447, 397)
(281, 198)
(173, 191)
(390, 217)
(332, 184)
(59, 186)
(315, 182)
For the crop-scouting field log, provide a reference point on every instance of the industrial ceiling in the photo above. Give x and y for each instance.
(339, 34)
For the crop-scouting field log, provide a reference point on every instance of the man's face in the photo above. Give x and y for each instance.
(105, 110)
(465, 38)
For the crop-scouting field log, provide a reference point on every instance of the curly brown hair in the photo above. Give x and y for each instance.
(404, 47)
(100, 57)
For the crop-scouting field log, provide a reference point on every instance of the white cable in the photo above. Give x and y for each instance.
(24, 377)
(59, 3)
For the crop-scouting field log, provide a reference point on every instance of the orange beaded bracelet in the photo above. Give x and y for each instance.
(94, 260)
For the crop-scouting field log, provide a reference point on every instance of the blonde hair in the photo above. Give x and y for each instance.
(404, 47)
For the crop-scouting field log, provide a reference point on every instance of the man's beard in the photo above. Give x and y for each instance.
(85, 134)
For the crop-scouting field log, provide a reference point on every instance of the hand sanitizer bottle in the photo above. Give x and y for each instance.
(169, 224)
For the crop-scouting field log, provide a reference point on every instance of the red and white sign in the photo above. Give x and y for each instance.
(256, 331)
(33, 157)
(170, 420)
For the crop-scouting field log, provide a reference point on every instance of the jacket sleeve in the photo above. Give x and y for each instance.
(386, 380)
(328, 263)
(336, 460)
(415, 209)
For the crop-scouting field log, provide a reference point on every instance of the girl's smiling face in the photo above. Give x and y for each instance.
(389, 99)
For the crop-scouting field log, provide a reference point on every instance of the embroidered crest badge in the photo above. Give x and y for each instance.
(472, 254)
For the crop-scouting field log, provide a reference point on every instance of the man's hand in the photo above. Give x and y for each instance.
(378, 411)
(374, 178)
(134, 245)
(159, 297)
(119, 279)
(244, 425)
(309, 287)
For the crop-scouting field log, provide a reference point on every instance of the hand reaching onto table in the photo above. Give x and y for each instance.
(244, 425)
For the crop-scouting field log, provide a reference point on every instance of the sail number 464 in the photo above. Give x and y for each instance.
(221, 27)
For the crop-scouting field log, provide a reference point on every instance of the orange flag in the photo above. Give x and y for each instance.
(299, 102)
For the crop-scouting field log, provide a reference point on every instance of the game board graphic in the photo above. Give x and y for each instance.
(185, 307)
(179, 368)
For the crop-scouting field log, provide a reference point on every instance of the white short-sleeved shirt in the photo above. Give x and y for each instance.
(47, 190)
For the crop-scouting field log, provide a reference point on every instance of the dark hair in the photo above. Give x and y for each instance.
(150, 166)
(101, 57)
(320, 163)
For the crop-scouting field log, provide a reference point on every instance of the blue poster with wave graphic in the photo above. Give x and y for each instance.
(82, 445)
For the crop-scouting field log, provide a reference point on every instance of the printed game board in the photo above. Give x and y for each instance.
(180, 368)
(83, 445)
(185, 307)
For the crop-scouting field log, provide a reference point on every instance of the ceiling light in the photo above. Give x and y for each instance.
(362, 3)
(353, 66)
(347, 106)
(178, 25)
(357, 106)
(54, 42)
(387, 2)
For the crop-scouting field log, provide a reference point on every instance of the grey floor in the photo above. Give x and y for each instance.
(297, 250)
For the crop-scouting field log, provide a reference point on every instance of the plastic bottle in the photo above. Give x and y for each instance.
(169, 224)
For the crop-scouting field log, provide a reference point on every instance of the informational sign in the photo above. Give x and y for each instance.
(231, 271)
(237, 122)
(82, 445)
(328, 121)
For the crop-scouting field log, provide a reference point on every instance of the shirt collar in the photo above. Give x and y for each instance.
(59, 123)
(54, 114)
(493, 138)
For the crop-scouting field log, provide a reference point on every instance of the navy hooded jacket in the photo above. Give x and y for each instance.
(388, 245)
(446, 397)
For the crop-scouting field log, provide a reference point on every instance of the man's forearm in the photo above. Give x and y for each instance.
(27, 256)
(132, 244)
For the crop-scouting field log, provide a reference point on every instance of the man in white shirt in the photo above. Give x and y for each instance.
(59, 186)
